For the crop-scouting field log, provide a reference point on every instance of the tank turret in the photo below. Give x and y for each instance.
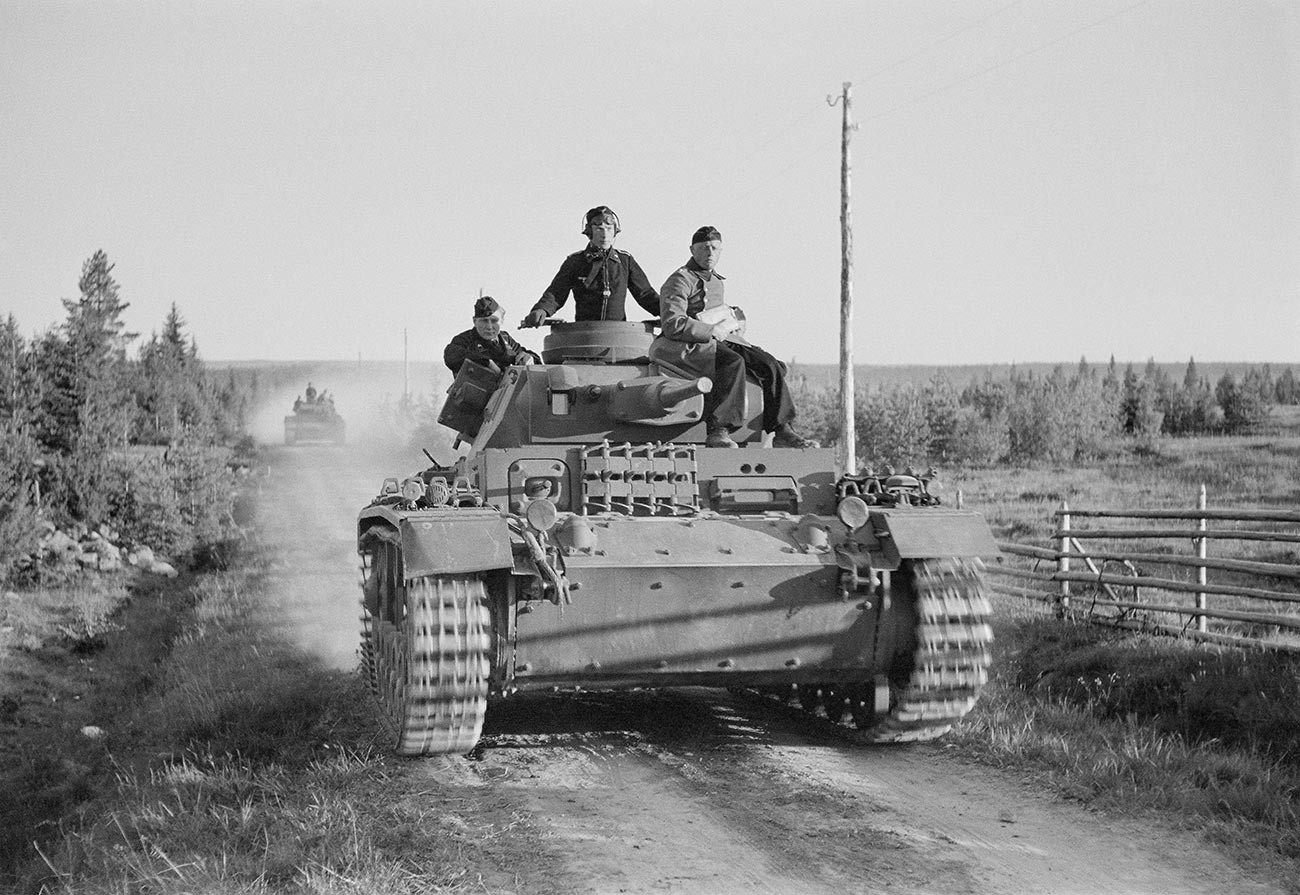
(588, 537)
(600, 392)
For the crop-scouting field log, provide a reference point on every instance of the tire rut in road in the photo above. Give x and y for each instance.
(678, 790)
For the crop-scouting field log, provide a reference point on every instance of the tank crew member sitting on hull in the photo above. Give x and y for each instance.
(486, 342)
(599, 277)
(701, 347)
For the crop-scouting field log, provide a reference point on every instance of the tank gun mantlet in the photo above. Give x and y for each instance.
(589, 403)
(659, 400)
(624, 398)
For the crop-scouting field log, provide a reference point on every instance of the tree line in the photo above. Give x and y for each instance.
(1064, 416)
(94, 434)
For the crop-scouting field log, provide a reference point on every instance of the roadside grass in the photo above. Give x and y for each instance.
(1129, 722)
(1133, 723)
(80, 611)
(46, 770)
(251, 768)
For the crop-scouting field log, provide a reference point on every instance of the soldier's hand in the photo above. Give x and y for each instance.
(536, 317)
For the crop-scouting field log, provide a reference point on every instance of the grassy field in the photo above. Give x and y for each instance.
(1261, 470)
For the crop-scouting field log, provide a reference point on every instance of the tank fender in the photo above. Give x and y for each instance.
(455, 542)
(916, 533)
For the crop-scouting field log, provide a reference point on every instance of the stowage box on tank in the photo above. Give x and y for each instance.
(589, 539)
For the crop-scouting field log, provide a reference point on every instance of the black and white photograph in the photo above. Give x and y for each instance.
(559, 448)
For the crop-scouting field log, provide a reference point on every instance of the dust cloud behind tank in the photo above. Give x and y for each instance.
(314, 419)
(588, 538)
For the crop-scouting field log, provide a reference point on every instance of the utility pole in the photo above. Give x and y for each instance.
(406, 373)
(848, 447)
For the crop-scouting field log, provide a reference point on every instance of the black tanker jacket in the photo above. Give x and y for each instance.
(599, 281)
(469, 345)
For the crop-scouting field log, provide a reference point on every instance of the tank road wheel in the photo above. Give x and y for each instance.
(809, 697)
(950, 658)
(426, 653)
(833, 701)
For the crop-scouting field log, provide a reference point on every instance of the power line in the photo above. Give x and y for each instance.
(943, 40)
(775, 135)
(943, 88)
(821, 146)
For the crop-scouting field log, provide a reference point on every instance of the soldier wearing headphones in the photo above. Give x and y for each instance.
(599, 277)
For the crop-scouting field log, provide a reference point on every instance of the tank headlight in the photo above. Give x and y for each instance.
(542, 514)
(853, 512)
(412, 489)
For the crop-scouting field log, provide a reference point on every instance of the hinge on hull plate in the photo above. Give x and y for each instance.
(857, 575)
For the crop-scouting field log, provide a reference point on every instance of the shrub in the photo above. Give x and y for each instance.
(18, 496)
(172, 500)
(981, 441)
(145, 507)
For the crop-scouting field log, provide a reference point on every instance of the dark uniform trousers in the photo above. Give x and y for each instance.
(725, 404)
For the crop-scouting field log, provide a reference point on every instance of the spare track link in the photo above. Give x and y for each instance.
(950, 662)
(430, 669)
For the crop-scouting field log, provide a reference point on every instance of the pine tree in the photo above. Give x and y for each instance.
(170, 387)
(1287, 389)
(85, 372)
(942, 410)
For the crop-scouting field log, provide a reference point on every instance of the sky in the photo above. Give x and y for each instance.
(1031, 181)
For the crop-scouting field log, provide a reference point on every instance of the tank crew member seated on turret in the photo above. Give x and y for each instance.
(718, 350)
(486, 342)
(599, 277)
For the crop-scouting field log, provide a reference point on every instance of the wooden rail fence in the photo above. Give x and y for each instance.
(1148, 573)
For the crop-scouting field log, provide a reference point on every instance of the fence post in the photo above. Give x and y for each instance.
(1202, 577)
(1063, 561)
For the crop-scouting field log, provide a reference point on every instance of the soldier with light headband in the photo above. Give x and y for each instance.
(600, 277)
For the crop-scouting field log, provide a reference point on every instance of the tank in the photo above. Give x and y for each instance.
(588, 539)
(314, 419)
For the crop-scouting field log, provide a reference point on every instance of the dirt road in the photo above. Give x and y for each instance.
(699, 791)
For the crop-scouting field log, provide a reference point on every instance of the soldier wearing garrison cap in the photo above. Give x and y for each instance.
(485, 343)
(700, 336)
(600, 277)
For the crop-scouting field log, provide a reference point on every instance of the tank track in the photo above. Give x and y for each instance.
(950, 663)
(429, 669)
